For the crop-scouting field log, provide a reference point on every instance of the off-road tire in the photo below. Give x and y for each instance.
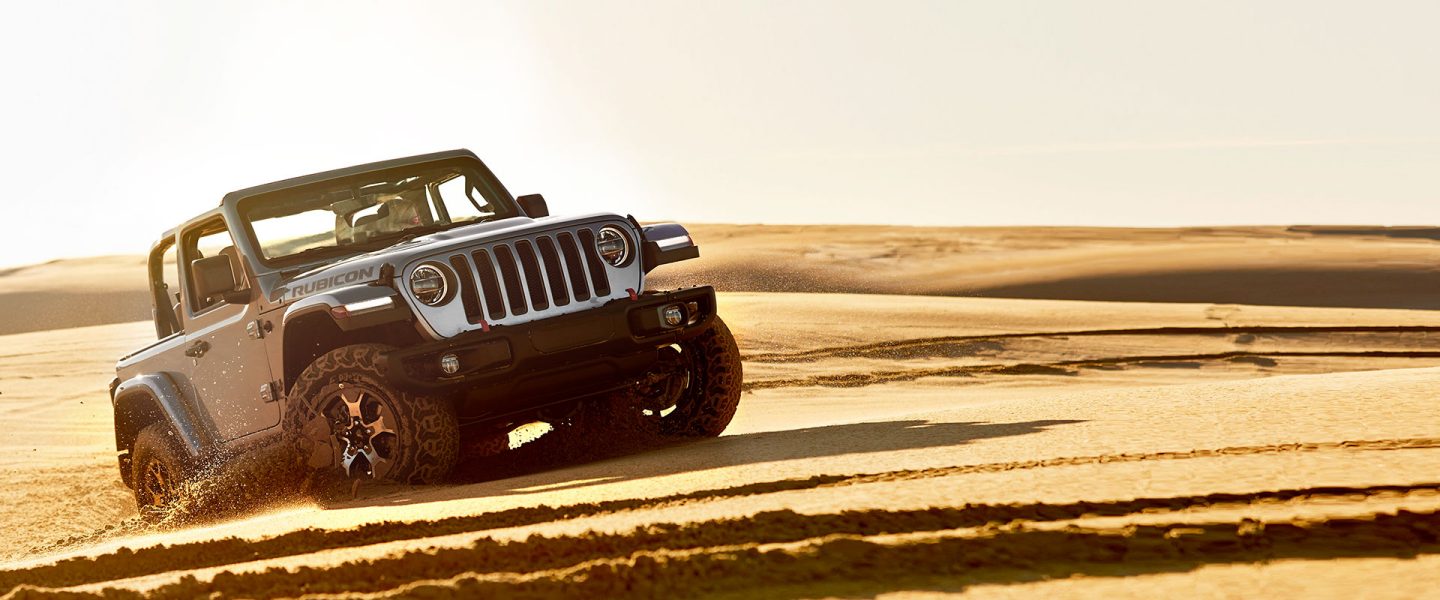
(708, 404)
(619, 422)
(427, 435)
(157, 452)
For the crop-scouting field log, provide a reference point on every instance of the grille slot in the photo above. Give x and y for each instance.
(533, 279)
(597, 268)
(489, 284)
(553, 273)
(468, 297)
(511, 276)
(574, 267)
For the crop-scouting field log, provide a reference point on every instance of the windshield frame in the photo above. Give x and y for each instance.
(490, 188)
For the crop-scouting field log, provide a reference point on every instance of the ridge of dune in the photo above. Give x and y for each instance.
(1255, 265)
(1363, 267)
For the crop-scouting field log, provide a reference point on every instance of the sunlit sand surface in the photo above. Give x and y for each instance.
(888, 444)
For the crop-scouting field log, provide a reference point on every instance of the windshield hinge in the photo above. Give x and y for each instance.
(387, 276)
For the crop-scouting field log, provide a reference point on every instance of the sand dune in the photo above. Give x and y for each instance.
(1269, 428)
(924, 443)
(1355, 266)
(1360, 267)
(73, 293)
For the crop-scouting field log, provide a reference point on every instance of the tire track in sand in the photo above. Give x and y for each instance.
(891, 347)
(784, 547)
(127, 563)
(853, 563)
(862, 379)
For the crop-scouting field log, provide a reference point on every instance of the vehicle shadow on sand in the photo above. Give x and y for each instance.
(546, 467)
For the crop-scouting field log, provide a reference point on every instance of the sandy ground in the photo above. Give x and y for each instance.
(887, 445)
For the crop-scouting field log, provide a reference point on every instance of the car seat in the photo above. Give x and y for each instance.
(367, 226)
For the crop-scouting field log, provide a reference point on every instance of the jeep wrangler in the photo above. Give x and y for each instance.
(368, 319)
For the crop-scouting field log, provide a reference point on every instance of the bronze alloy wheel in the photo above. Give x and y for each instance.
(157, 484)
(361, 423)
(160, 471)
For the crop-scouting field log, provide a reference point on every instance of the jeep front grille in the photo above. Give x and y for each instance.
(514, 278)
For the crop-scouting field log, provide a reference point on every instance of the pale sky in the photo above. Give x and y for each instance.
(119, 120)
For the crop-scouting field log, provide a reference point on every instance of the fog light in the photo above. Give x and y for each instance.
(674, 315)
(450, 364)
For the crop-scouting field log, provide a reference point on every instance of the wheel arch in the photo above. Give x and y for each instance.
(151, 398)
(311, 327)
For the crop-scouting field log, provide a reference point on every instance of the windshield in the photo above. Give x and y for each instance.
(369, 212)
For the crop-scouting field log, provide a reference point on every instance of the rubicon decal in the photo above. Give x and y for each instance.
(319, 285)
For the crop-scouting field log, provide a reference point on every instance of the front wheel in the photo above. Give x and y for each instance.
(348, 420)
(696, 397)
(706, 402)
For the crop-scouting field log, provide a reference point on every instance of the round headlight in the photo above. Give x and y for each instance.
(431, 284)
(613, 245)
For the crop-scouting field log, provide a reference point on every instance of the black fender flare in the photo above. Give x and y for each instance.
(333, 303)
(347, 312)
(148, 397)
(666, 243)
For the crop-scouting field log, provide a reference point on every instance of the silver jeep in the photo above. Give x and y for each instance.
(370, 320)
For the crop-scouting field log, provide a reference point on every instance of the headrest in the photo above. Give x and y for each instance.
(235, 263)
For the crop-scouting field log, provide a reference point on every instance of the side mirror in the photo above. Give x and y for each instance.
(215, 278)
(533, 205)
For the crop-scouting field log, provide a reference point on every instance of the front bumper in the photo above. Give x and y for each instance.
(531, 364)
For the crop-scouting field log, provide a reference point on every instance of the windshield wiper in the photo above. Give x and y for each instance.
(405, 235)
(338, 251)
(414, 232)
(312, 251)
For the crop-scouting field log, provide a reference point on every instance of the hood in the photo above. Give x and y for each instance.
(382, 265)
